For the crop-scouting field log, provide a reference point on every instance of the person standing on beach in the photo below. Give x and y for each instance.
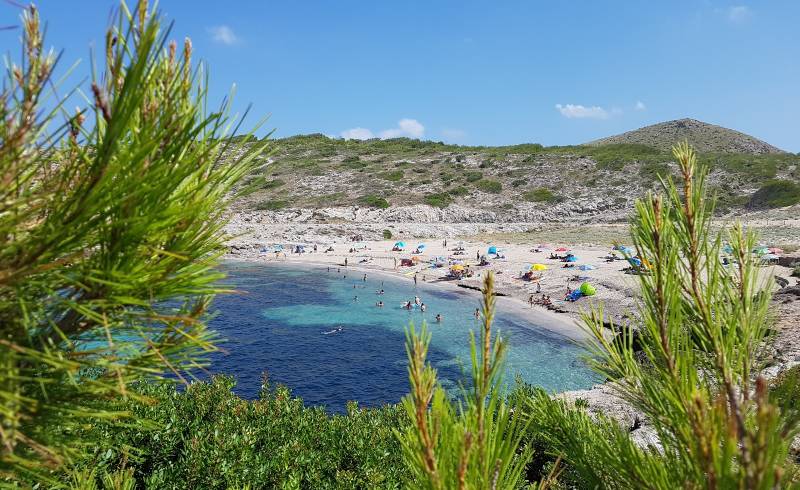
(345, 261)
(478, 255)
(538, 287)
(530, 300)
(365, 278)
(415, 278)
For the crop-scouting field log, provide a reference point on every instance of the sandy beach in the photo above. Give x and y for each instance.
(616, 290)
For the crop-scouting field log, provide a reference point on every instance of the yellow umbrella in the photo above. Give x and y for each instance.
(457, 267)
(538, 267)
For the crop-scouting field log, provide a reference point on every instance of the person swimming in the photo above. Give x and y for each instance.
(417, 300)
(335, 330)
(438, 318)
(477, 313)
(422, 307)
(379, 304)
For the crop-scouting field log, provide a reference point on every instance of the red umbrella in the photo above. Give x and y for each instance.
(775, 250)
(562, 249)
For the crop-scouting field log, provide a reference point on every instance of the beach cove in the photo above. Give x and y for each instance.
(318, 330)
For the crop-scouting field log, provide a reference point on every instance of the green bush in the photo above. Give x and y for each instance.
(210, 438)
(373, 201)
(458, 191)
(775, 194)
(473, 176)
(387, 234)
(491, 186)
(796, 270)
(439, 200)
(541, 194)
(272, 205)
(519, 182)
(392, 175)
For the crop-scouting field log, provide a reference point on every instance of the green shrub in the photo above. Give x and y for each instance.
(775, 194)
(392, 175)
(458, 191)
(540, 194)
(387, 234)
(210, 438)
(272, 205)
(491, 186)
(615, 156)
(473, 176)
(439, 200)
(373, 201)
(796, 270)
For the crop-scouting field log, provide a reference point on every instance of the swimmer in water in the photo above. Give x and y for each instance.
(379, 304)
(335, 330)
(355, 298)
(438, 318)
(417, 300)
(422, 307)
(477, 313)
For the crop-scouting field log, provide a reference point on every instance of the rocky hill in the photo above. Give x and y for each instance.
(316, 179)
(706, 138)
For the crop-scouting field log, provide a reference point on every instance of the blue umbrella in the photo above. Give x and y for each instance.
(587, 267)
(400, 244)
(572, 258)
(492, 250)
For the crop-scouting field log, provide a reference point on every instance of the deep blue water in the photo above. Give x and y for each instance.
(277, 325)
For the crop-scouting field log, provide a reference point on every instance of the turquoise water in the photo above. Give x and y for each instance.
(281, 323)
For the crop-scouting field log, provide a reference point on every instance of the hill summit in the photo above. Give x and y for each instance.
(706, 138)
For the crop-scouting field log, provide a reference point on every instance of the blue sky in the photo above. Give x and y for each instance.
(482, 72)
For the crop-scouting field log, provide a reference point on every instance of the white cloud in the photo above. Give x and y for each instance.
(357, 134)
(739, 13)
(224, 34)
(410, 128)
(640, 106)
(577, 111)
(453, 135)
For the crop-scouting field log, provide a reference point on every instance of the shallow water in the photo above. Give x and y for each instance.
(278, 324)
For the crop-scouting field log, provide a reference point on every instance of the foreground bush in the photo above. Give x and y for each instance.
(104, 219)
(696, 379)
(207, 437)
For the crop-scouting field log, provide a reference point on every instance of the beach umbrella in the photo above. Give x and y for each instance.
(562, 249)
(421, 246)
(572, 258)
(457, 267)
(492, 250)
(775, 250)
(587, 289)
(634, 261)
(587, 267)
(400, 244)
(538, 267)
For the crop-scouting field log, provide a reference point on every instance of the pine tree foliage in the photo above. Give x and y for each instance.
(104, 220)
(704, 324)
(472, 444)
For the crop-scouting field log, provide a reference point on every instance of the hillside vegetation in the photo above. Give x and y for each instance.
(524, 182)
